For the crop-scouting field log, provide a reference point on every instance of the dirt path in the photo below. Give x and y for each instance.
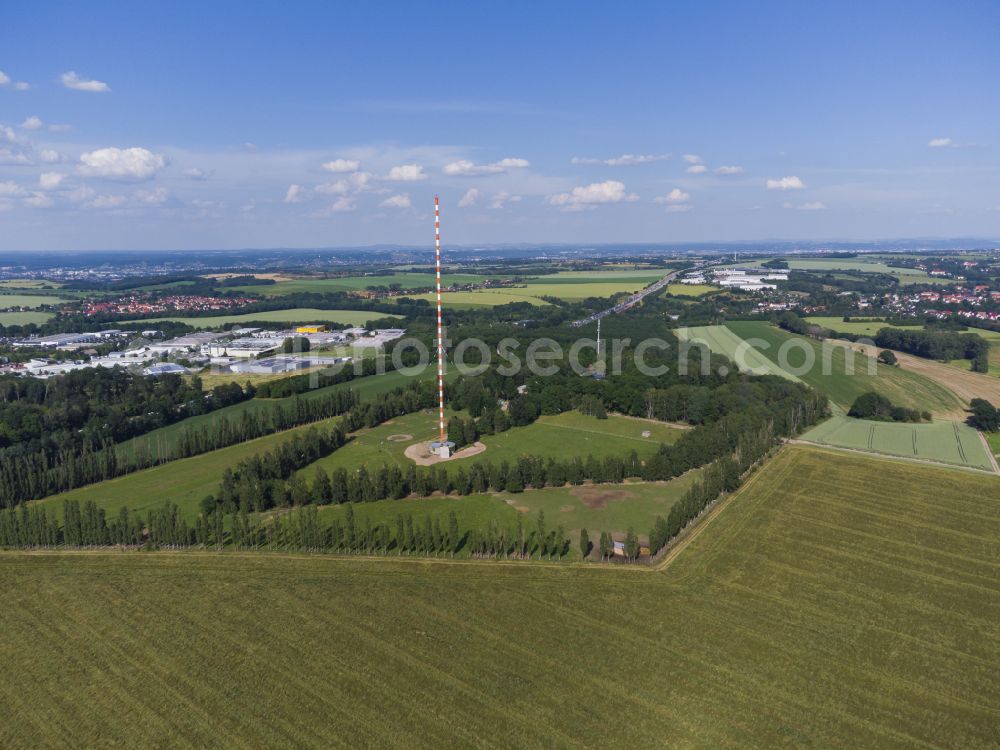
(675, 425)
(419, 455)
(989, 453)
(966, 385)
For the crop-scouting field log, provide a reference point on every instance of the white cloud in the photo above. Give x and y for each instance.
(11, 157)
(195, 174)
(940, 143)
(135, 164)
(344, 203)
(406, 173)
(340, 166)
(39, 200)
(49, 156)
(692, 159)
(81, 194)
(610, 191)
(5, 81)
(50, 180)
(786, 183)
(726, 170)
(625, 160)
(106, 202)
(156, 197)
(293, 194)
(72, 81)
(11, 189)
(397, 201)
(696, 169)
(679, 208)
(500, 200)
(674, 196)
(354, 183)
(812, 206)
(35, 123)
(249, 147)
(464, 167)
(469, 199)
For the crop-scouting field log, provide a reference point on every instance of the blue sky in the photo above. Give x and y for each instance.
(225, 125)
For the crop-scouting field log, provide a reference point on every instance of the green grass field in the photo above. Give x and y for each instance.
(835, 323)
(295, 315)
(948, 442)
(994, 440)
(721, 340)
(562, 436)
(33, 301)
(838, 601)
(365, 387)
(24, 318)
(902, 387)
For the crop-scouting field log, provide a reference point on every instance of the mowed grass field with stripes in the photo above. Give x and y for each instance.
(838, 600)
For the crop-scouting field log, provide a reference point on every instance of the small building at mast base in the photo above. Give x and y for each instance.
(442, 449)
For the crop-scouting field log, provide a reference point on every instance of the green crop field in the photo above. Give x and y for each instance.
(356, 283)
(869, 329)
(24, 318)
(690, 290)
(295, 315)
(15, 284)
(721, 340)
(903, 275)
(838, 601)
(562, 436)
(948, 442)
(29, 300)
(900, 386)
(567, 285)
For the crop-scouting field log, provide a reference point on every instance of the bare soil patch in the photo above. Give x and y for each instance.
(598, 497)
(566, 508)
(401, 438)
(421, 456)
(966, 385)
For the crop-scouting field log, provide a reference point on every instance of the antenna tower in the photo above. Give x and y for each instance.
(443, 438)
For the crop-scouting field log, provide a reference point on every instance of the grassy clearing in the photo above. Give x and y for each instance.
(602, 507)
(948, 442)
(365, 387)
(184, 482)
(562, 436)
(900, 386)
(721, 340)
(835, 323)
(994, 441)
(24, 318)
(838, 602)
(295, 315)
(483, 298)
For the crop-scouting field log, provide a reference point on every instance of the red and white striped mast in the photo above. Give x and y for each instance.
(437, 247)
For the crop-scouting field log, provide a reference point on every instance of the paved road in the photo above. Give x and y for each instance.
(628, 302)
